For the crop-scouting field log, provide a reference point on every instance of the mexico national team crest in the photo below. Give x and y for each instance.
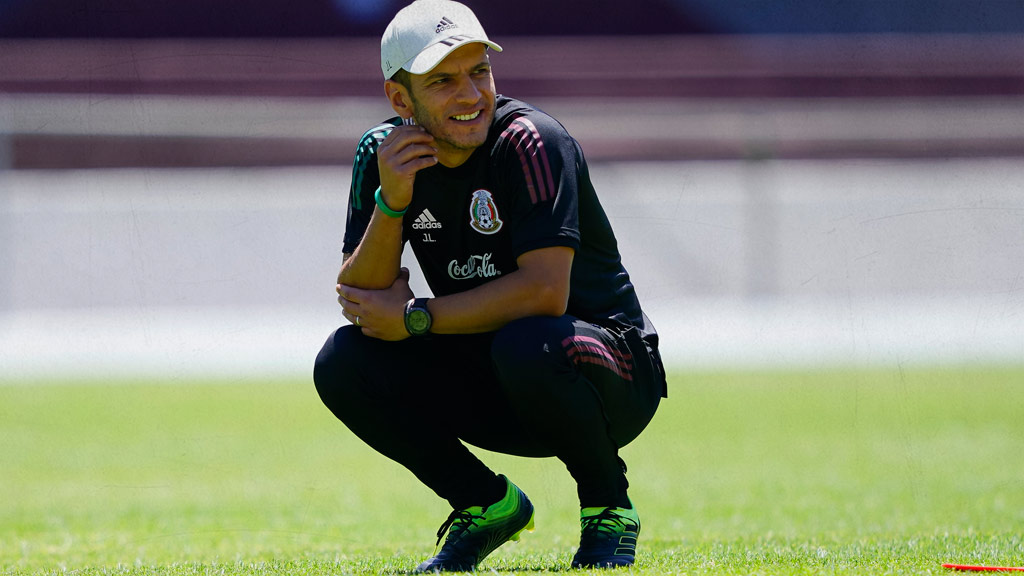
(483, 213)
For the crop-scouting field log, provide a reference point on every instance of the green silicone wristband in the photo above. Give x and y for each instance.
(384, 207)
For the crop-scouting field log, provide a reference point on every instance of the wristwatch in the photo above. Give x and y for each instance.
(417, 317)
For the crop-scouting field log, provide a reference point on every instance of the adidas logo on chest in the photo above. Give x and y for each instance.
(426, 221)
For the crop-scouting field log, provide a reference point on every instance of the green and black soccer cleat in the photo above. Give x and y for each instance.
(608, 538)
(477, 531)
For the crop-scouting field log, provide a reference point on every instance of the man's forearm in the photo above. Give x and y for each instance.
(487, 308)
(374, 264)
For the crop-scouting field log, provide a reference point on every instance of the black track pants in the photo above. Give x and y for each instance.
(539, 387)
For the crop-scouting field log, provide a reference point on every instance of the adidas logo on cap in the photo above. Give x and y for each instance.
(445, 24)
(426, 221)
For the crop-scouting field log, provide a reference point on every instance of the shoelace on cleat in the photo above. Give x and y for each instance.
(604, 524)
(458, 522)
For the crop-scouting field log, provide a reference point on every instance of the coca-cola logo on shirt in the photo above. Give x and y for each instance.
(476, 266)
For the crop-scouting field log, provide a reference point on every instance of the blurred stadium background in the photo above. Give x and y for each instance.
(794, 182)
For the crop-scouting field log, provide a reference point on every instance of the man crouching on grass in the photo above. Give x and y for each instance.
(533, 344)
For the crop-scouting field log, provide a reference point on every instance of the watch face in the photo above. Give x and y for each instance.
(419, 321)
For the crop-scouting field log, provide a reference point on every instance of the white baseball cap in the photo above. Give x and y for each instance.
(423, 33)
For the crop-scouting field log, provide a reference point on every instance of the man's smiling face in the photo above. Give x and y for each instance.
(455, 102)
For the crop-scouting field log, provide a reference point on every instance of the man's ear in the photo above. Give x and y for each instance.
(398, 96)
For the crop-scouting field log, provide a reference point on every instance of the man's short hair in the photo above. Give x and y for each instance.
(403, 77)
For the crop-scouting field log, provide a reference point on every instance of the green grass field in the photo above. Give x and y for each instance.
(845, 472)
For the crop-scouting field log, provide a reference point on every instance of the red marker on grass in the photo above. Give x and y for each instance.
(967, 568)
